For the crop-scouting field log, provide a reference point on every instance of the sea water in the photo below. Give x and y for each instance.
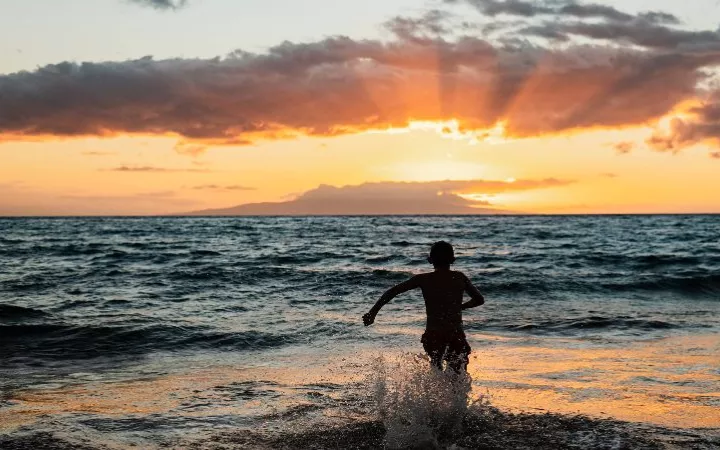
(247, 331)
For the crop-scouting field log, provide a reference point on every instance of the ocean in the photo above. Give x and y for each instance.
(246, 332)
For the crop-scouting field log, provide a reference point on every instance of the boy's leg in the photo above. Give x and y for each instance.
(434, 349)
(458, 354)
(458, 362)
(436, 358)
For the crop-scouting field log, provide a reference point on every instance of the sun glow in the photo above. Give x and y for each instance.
(495, 200)
(439, 170)
(452, 129)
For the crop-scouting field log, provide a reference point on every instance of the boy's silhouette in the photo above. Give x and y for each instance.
(444, 338)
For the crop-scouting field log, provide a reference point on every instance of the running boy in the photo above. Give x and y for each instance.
(444, 338)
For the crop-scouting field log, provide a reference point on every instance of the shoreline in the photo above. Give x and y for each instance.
(639, 393)
(487, 428)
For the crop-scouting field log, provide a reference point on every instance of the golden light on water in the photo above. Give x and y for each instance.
(668, 382)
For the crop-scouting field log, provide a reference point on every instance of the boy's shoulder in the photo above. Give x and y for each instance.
(428, 275)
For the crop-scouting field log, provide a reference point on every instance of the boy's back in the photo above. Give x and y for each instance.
(442, 290)
(443, 293)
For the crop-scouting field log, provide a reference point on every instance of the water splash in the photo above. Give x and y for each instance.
(419, 406)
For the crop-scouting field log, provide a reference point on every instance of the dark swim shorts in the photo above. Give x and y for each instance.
(446, 344)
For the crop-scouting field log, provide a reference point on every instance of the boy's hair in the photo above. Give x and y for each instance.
(441, 254)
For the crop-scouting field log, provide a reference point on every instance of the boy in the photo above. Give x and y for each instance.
(443, 292)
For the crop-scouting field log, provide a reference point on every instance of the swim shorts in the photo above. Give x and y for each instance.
(445, 344)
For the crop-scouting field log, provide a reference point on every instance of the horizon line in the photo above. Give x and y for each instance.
(187, 216)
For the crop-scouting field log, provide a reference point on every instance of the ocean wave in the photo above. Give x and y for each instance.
(593, 323)
(645, 261)
(11, 312)
(58, 341)
(691, 284)
(505, 283)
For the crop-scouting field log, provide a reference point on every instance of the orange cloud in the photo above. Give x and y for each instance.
(153, 169)
(428, 72)
(215, 187)
(699, 124)
(624, 147)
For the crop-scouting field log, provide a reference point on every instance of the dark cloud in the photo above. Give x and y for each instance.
(435, 197)
(715, 155)
(215, 187)
(660, 18)
(433, 22)
(152, 169)
(512, 7)
(162, 4)
(340, 85)
(564, 19)
(594, 11)
(564, 9)
(642, 34)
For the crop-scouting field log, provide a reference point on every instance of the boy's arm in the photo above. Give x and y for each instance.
(476, 298)
(391, 293)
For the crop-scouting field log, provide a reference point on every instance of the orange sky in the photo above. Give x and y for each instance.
(81, 176)
(545, 115)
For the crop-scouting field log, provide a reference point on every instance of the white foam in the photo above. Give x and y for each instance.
(419, 405)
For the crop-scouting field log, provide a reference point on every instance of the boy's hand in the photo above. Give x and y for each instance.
(368, 318)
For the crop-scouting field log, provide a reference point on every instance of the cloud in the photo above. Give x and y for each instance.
(715, 155)
(699, 124)
(564, 19)
(158, 195)
(215, 187)
(564, 9)
(624, 147)
(435, 197)
(162, 4)
(20, 199)
(152, 169)
(189, 149)
(98, 153)
(643, 34)
(608, 175)
(432, 69)
(339, 86)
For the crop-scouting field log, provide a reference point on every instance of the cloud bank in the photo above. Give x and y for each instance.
(397, 198)
(162, 4)
(152, 169)
(216, 187)
(554, 67)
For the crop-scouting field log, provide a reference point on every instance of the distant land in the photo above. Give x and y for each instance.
(319, 208)
(367, 199)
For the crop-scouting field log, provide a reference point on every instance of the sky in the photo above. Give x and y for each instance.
(136, 107)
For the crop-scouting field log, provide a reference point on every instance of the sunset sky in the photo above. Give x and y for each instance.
(127, 107)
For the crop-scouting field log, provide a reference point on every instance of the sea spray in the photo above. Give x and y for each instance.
(419, 406)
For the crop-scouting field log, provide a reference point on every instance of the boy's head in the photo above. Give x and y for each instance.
(441, 254)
